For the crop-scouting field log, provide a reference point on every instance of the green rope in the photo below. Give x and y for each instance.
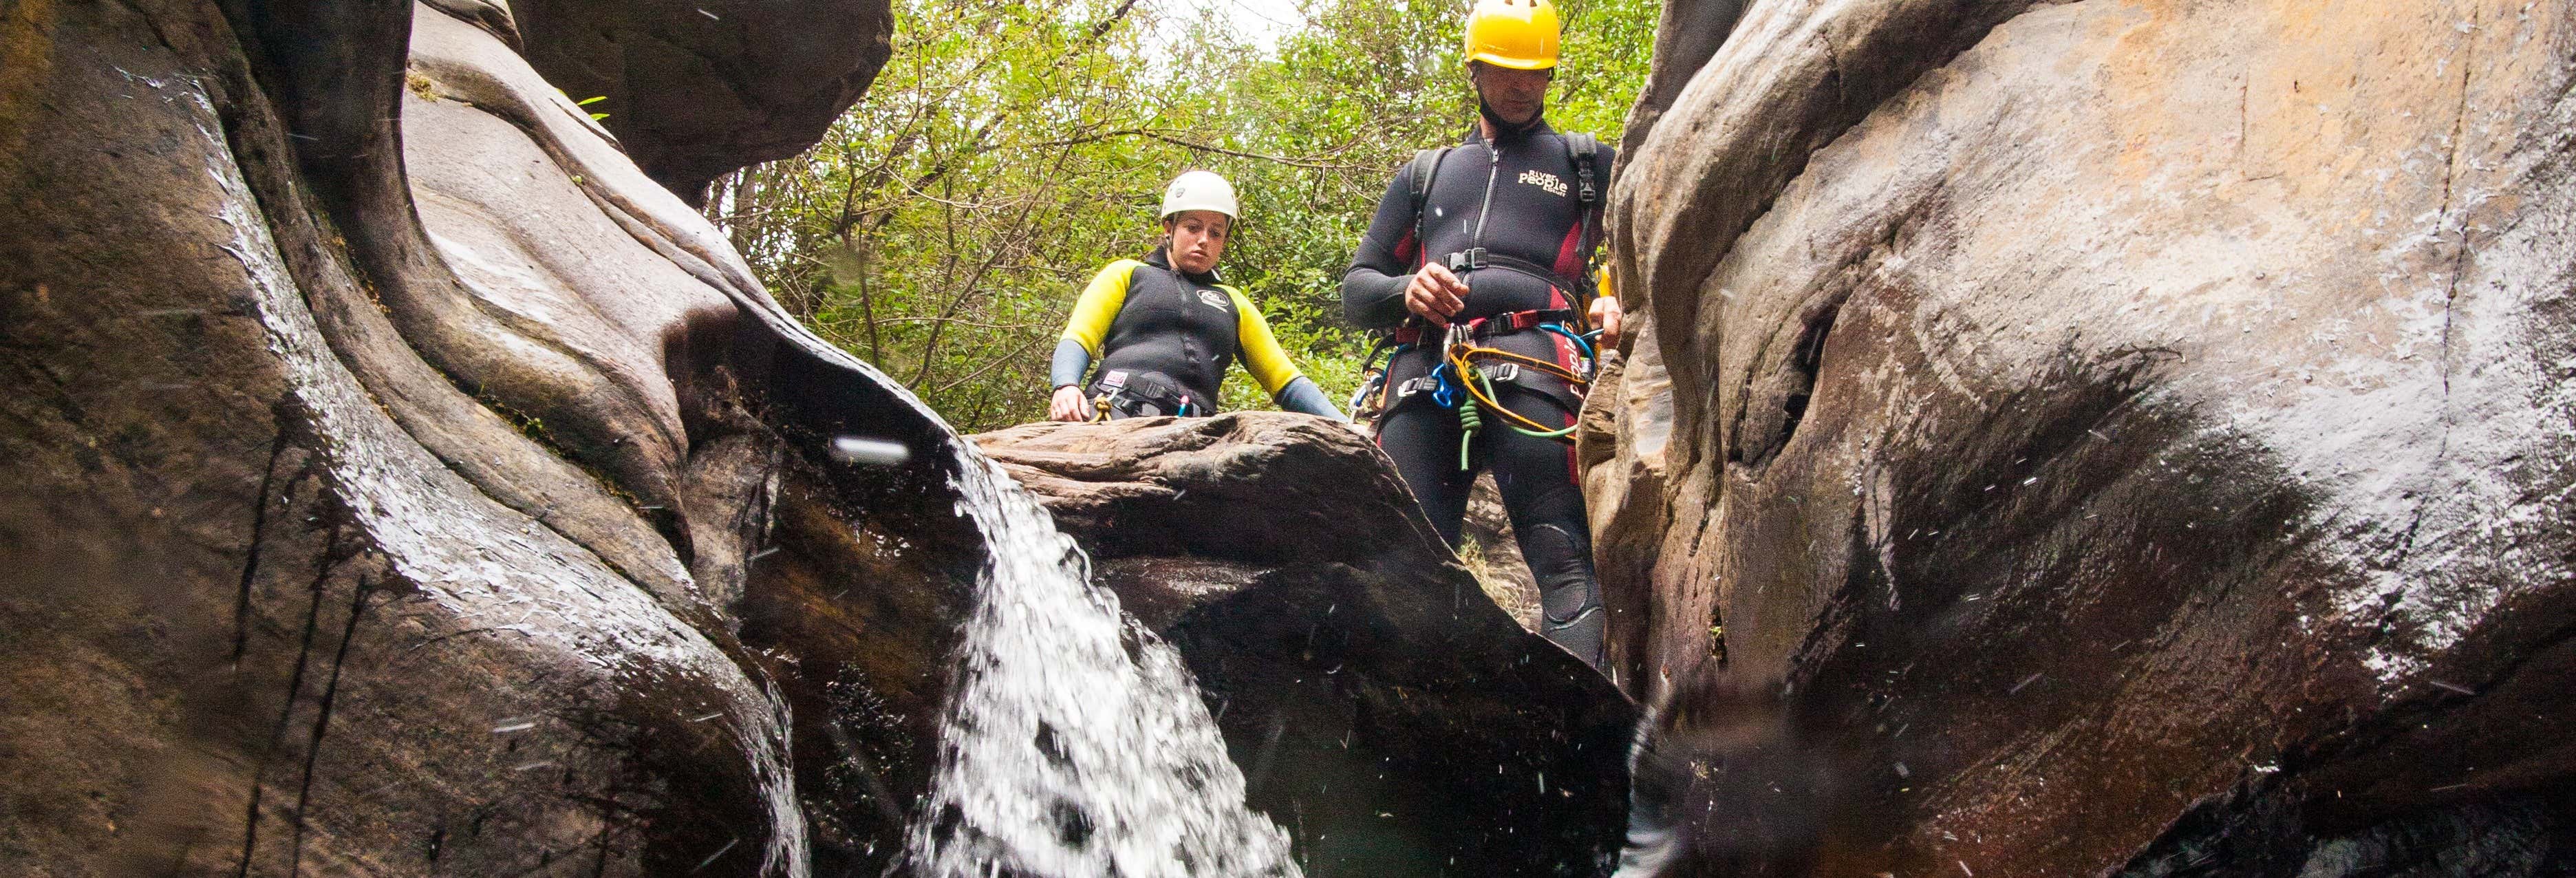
(1488, 384)
(1469, 420)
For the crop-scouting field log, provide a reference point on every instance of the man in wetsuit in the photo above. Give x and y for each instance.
(1485, 249)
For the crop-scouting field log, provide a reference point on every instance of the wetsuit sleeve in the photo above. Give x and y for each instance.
(1304, 397)
(1373, 288)
(1099, 305)
(1258, 348)
(1069, 363)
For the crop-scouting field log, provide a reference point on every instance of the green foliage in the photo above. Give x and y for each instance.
(945, 225)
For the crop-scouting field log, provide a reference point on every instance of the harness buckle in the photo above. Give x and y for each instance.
(1504, 372)
(1469, 259)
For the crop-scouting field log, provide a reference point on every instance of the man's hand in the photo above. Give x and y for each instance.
(1068, 404)
(1435, 294)
(1605, 316)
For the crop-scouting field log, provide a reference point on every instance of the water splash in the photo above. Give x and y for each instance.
(1075, 740)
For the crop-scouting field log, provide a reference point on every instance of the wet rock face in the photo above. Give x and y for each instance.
(1383, 710)
(2145, 424)
(698, 88)
(404, 482)
(365, 527)
(1496, 559)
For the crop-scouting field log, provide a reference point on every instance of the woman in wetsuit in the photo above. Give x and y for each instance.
(1164, 327)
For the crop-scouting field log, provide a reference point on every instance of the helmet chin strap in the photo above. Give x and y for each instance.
(1506, 128)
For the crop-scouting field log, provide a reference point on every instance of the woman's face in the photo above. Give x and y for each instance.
(1198, 238)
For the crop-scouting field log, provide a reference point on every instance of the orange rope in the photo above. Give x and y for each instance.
(1459, 359)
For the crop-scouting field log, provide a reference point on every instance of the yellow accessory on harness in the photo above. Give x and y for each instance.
(1519, 34)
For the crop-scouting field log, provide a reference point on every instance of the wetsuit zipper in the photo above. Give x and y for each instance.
(1493, 172)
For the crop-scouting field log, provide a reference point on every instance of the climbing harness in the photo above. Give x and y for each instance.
(1468, 369)
(1463, 358)
(1140, 395)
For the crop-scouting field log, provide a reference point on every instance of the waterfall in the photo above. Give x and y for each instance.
(1075, 742)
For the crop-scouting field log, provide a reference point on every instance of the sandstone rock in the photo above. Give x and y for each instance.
(2144, 423)
(1496, 558)
(1687, 32)
(266, 628)
(698, 88)
(404, 483)
(1626, 429)
(1386, 712)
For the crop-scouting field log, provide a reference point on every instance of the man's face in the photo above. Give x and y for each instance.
(1517, 96)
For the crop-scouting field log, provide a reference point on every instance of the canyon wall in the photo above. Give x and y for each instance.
(404, 480)
(2136, 435)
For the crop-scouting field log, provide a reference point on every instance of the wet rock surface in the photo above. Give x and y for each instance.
(1494, 554)
(698, 88)
(2135, 435)
(1620, 446)
(405, 483)
(272, 629)
(1384, 711)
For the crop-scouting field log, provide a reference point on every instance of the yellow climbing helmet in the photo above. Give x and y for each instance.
(1519, 34)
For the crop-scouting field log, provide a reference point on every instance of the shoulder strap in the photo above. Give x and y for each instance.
(1425, 163)
(1584, 152)
(1424, 166)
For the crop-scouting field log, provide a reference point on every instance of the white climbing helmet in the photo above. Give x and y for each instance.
(1199, 190)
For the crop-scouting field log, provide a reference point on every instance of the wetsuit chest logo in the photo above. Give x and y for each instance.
(1212, 299)
(1550, 182)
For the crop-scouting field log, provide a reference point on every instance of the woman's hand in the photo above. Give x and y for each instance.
(1605, 317)
(1069, 404)
(1435, 294)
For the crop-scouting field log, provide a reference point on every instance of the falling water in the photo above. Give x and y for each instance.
(1075, 742)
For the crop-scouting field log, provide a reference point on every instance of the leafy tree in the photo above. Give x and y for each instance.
(944, 226)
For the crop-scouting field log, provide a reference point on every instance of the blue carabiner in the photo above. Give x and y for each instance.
(1440, 387)
(1580, 343)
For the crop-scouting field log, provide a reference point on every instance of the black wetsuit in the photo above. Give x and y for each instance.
(1516, 199)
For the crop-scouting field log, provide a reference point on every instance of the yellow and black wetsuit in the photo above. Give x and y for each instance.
(1163, 339)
